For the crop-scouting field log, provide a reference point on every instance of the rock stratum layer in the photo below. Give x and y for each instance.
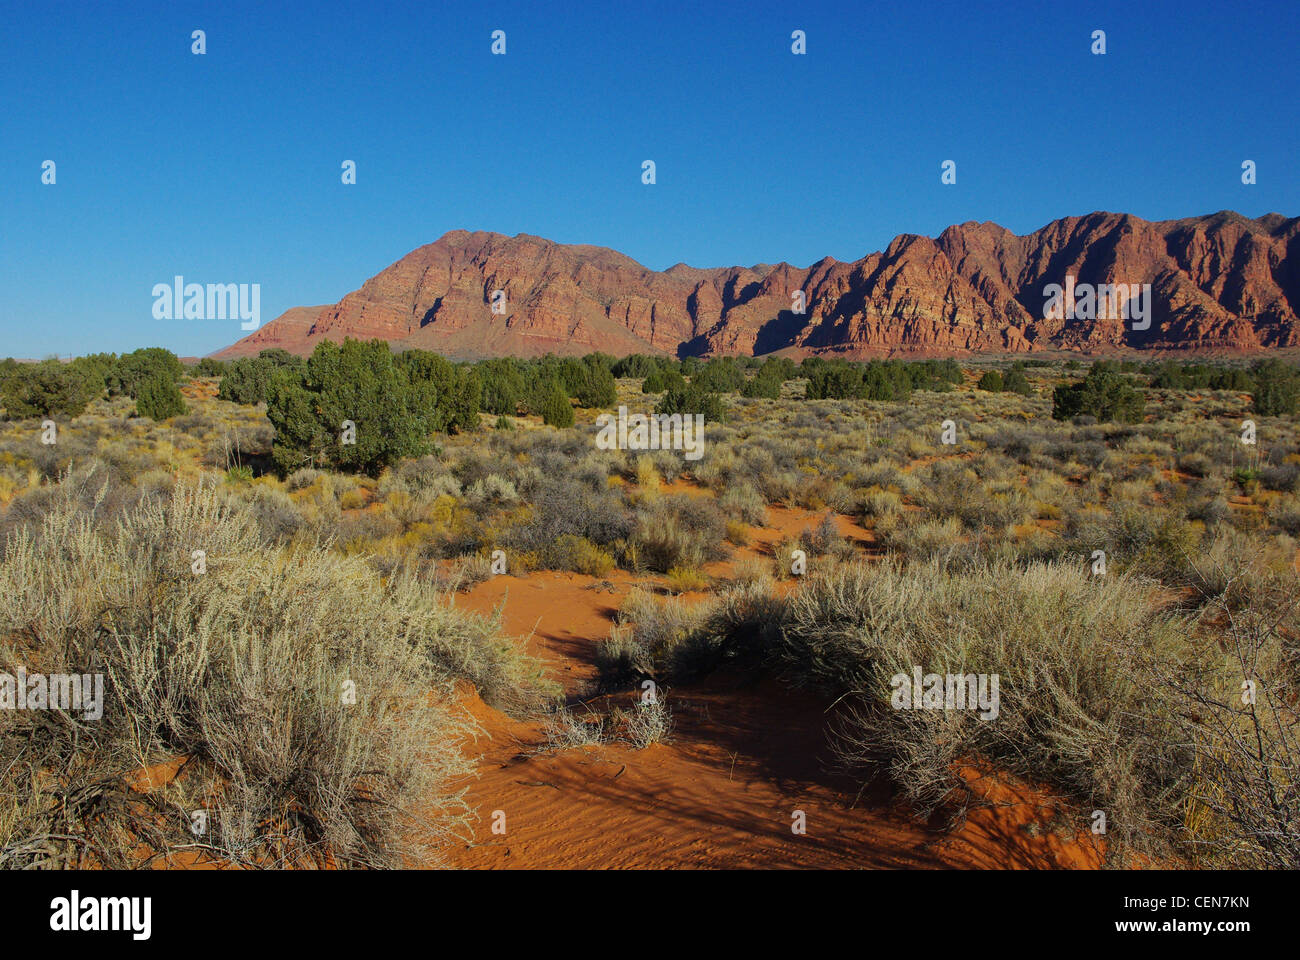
(1218, 283)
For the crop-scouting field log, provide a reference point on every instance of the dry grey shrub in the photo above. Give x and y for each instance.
(242, 670)
(1071, 709)
(647, 631)
(639, 727)
(1239, 717)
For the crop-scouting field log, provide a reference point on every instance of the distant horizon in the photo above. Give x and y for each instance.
(228, 166)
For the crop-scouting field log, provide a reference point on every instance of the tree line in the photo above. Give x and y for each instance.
(397, 401)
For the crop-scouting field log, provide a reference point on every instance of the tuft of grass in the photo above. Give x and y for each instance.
(647, 475)
(686, 580)
(738, 533)
(580, 555)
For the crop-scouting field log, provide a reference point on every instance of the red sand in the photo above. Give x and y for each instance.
(722, 793)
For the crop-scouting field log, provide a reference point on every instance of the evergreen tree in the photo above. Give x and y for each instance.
(157, 396)
(554, 406)
(46, 389)
(1276, 389)
(246, 380)
(1104, 393)
(130, 370)
(392, 405)
(690, 400)
(1015, 381)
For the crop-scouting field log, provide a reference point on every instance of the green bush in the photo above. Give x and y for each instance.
(209, 367)
(279, 358)
(246, 380)
(720, 375)
(766, 383)
(1277, 385)
(940, 375)
(93, 369)
(835, 380)
(991, 381)
(690, 400)
(130, 370)
(877, 380)
(46, 389)
(393, 406)
(503, 385)
(1015, 381)
(579, 555)
(555, 408)
(636, 365)
(1171, 375)
(157, 397)
(663, 378)
(589, 380)
(1104, 393)
(453, 391)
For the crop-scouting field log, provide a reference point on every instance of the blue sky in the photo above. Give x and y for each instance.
(226, 167)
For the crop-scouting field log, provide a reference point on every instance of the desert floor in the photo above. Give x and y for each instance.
(722, 792)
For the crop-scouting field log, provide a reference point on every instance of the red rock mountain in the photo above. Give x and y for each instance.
(1221, 282)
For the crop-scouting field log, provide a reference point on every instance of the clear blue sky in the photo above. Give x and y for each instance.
(226, 167)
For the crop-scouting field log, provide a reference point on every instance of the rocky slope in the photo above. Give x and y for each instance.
(1219, 282)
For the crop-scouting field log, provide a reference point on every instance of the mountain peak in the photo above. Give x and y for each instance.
(976, 287)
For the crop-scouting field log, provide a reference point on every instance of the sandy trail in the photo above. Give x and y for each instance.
(742, 758)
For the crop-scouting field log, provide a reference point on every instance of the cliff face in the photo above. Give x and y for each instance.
(1217, 282)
